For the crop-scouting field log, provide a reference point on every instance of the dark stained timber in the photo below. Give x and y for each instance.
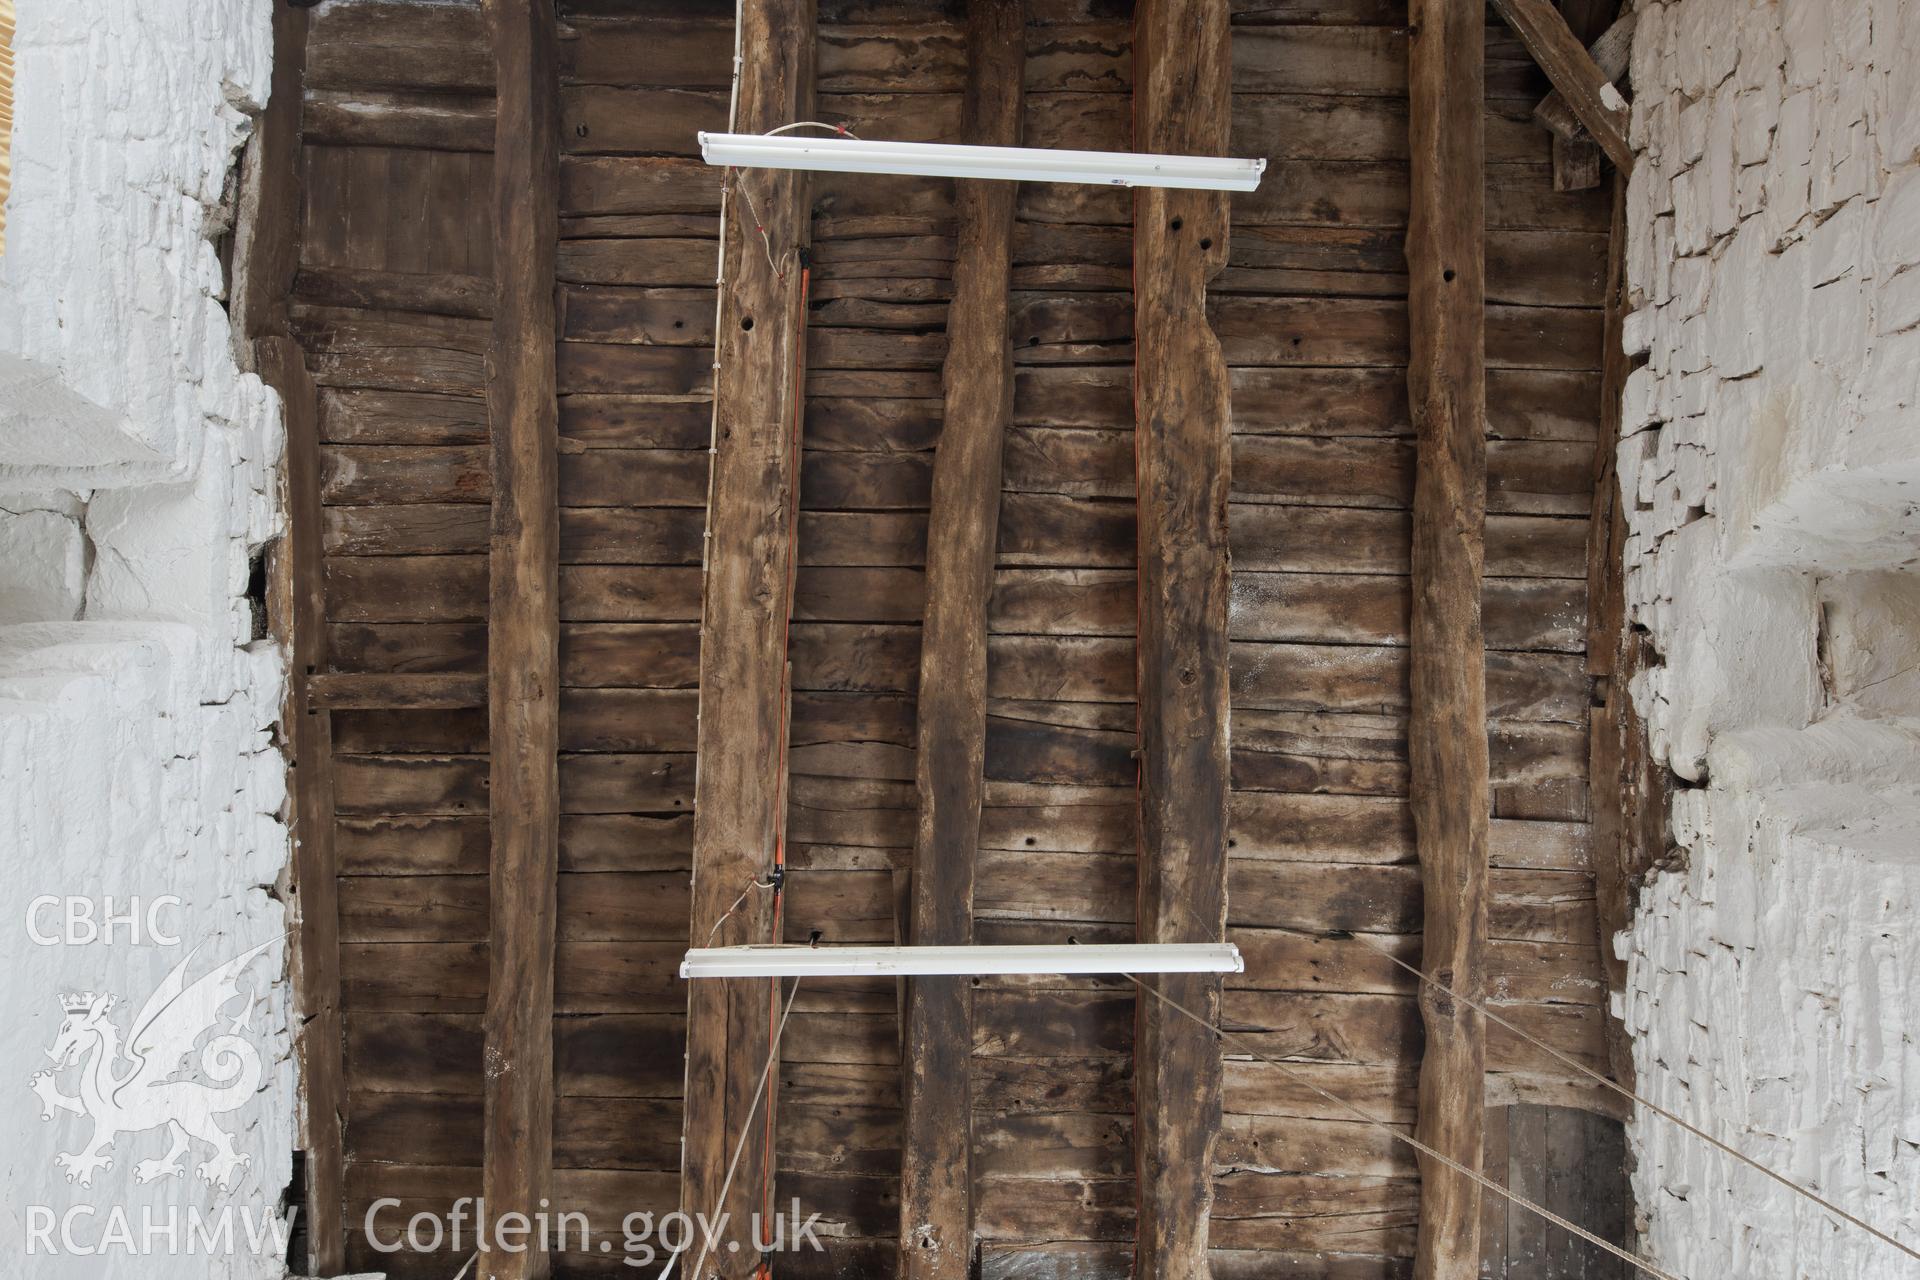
(747, 596)
(936, 1186)
(1182, 91)
(523, 635)
(1446, 742)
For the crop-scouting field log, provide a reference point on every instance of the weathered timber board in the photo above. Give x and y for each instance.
(394, 296)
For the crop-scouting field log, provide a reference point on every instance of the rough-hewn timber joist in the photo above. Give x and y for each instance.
(266, 253)
(1181, 105)
(1586, 88)
(1446, 739)
(936, 1184)
(523, 633)
(739, 790)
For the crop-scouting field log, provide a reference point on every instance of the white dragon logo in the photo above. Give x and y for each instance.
(150, 1094)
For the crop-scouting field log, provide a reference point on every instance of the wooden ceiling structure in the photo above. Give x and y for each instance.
(1015, 564)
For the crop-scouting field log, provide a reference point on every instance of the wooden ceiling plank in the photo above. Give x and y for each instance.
(1587, 89)
(1447, 751)
(740, 782)
(1181, 105)
(396, 690)
(523, 632)
(936, 1191)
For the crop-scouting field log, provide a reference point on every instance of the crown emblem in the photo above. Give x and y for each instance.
(77, 1001)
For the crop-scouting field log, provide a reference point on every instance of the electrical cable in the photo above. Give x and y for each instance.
(1348, 935)
(1618, 1088)
(725, 915)
(746, 1128)
(839, 129)
(780, 859)
(753, 211)
(777, 880)
(1489, 1184)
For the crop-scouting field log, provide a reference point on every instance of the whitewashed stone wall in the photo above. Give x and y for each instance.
(1773, 447)
(137, 759)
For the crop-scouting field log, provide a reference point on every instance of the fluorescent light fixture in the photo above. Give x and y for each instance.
(950, 160)
(800, 961)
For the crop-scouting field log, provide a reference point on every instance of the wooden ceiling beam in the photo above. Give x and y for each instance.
(1576, 157)
(1447, 723)
(1588, 91)
(266, 252)
(936, 1185)
(1182, 84)
(740, 784)
(300, 621)
(1611, 52)
(1628, 787)
(523, 630)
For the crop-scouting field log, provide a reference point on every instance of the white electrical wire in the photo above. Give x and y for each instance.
(1473, 1175)
(746, 1131)
(719, 297)
(840, 129)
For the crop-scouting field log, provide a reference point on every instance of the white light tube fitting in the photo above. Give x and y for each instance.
(950, 160)
(848, 961)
